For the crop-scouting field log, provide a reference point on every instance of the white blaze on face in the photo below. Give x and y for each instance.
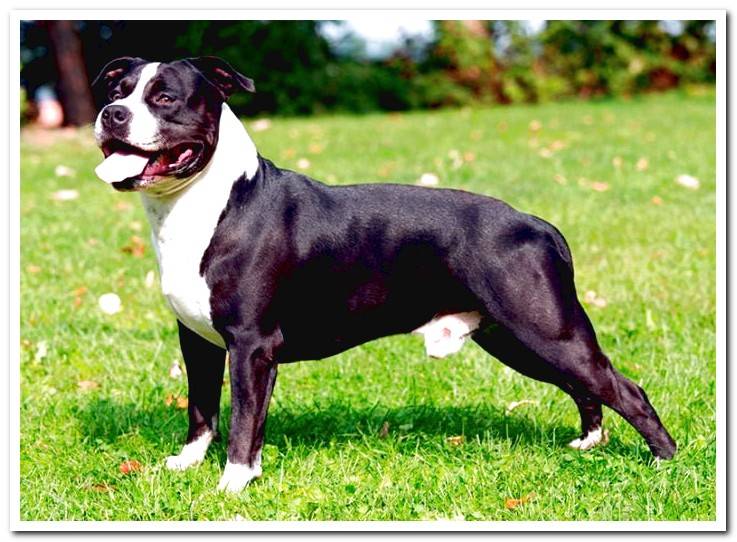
(143, 129)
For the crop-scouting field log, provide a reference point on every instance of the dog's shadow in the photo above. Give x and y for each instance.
(105, 421)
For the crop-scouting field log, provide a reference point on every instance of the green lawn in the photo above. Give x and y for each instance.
(369, 434)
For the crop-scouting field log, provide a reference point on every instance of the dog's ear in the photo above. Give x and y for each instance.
(114, 70)
(222, 75)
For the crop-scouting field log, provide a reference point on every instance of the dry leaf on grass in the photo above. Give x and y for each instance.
(135, 248)
(33, 269)
(88, 385)
(149, 280)
(514, 404)
(511, 504)
(657, 200)
(101, 488)
(535, 125)
(42, 350)
(130, 466)
(175, 371)
(384, 431)
(455, 441)
(110, 303)
(260, 125)
(599, 186)
(67, 194)
(64, 171)
(642, 164)
(592, 298)
(687, 181)
(428, 179)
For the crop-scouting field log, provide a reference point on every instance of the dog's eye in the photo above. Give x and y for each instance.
(114, 95)
(164, 99)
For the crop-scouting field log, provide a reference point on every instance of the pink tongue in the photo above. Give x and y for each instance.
(119, 166)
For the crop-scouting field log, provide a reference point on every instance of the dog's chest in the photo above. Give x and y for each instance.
(181, 232)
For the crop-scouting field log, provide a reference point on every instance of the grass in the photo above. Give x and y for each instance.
(101, 394)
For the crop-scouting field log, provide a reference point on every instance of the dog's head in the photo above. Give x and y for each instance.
(159, 121)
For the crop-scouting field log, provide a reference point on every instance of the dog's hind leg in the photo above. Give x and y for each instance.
(504, 346)
(205, 363)
(530, 294)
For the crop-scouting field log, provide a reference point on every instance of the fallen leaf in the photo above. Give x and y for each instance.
(175, 371)
(428, 179)
(42, 349)
(101, 488)
(135, 248)
(384, 431)
(455, 441)
(514, 404)
(68, 194)
(260, 125)
(657, 200)
(129, 466)
(592, 298)
(535, 125)
(64, 171)
(33, 269)
(511, 504)
(303, 163)
(93, 242)
(109, 303)
(560, 179)
(149, 280)
(557, 145)
(315, 148)
(469, 156)
(88, 385)
(182, 402)
(123, 206)
(688, 181)
(169, 400)
(136, 225)
(599, 186)
(642, 164)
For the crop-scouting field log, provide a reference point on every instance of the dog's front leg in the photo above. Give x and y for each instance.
(252, 377)
(205, 363)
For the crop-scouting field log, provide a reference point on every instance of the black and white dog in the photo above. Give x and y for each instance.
(274, 267)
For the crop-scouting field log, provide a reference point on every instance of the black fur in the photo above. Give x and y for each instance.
(300, 270)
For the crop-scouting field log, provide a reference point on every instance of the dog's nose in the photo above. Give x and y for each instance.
(114, 116)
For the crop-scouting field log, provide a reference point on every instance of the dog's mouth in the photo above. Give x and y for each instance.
(124, 162)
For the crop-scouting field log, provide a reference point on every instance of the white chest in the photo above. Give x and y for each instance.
(183, 223)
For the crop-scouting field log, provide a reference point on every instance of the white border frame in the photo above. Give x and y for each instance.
(13, 283)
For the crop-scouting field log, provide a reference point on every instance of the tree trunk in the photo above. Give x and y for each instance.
(73, 85)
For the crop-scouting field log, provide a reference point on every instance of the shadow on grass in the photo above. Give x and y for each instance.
(323, 425)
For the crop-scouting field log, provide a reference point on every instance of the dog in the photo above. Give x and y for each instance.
(273, 267)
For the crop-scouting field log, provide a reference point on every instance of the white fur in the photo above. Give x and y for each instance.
(143, 129)
(445, 335)
(183, 216)
(191, 454)
(592, 438)
(236, 476)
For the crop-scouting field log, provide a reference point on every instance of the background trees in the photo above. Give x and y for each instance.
(298, 70)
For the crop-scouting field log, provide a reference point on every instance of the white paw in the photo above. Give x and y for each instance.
(592, 438)
(236, 476)
(191, 454)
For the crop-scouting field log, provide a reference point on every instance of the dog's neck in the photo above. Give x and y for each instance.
(207, 191)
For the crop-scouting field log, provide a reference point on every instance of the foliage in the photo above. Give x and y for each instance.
(298, 71)
(95, 390)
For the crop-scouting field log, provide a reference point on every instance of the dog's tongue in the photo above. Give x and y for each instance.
(119, 166)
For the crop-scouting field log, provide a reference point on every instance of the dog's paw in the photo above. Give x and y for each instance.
(592, 438)
(236, 476)
(192, 454)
